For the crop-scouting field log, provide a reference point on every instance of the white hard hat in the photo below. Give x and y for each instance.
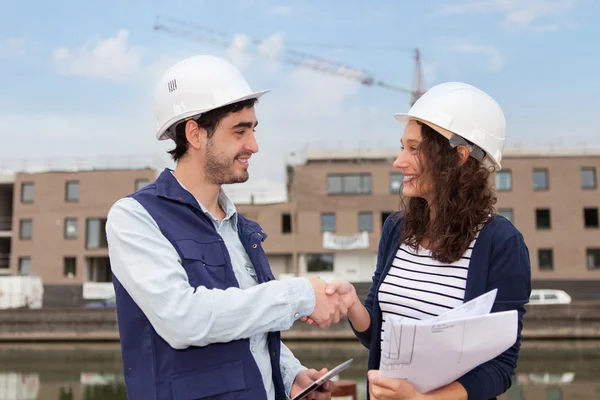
(461, 109)
(196, 85)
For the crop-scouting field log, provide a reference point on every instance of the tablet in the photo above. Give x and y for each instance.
(319, 382)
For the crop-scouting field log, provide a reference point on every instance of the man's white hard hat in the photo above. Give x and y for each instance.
(195, 85)
(456, 108)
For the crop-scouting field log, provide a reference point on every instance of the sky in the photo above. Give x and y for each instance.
(77, 77)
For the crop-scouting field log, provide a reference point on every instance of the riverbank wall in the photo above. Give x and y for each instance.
(578, 320)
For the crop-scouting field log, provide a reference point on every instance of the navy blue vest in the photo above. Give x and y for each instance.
(154, 370)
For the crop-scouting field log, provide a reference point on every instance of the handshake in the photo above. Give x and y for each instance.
(333, 301)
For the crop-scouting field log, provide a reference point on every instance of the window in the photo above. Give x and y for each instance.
(365, 221)
(503, 181)
(553, 394)
(334, 184)
(140, 183)
(550, 296)
(349, 184)
(506, 213)
(66, 393)
(70, 228)
(72, 191)
(590, 217)
(319, 262)
(327, 222)
(95, 233)
(546, 259)
(27, 192)
(385, 215)
(542, 218)
(588, 178)
(26, 229)
(396, 182)
(540, 179)
(286, 223)
(593, 258)
(24, 265)
(70, 267)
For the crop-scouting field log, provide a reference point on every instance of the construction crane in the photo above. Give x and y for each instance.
(192, 31)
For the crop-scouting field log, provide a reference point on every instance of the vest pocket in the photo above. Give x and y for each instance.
(213, 381)
(203, 262)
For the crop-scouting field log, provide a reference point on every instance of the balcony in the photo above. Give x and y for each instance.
(5, 226)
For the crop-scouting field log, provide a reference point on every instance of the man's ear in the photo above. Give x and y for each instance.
(194, 134)
(463, 153)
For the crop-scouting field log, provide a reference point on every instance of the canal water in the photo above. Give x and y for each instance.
(547, 371)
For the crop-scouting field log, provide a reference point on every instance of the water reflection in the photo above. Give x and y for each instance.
(547, 371)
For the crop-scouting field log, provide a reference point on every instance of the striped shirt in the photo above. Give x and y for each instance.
(419, 287)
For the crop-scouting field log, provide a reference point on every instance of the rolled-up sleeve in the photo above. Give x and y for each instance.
(149, 269)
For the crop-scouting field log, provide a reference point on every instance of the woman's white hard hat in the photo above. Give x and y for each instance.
(196, 85)
(456, 108)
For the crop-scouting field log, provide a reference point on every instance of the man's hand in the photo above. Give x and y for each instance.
(347, 295)
(328, 308)
(385, 388)
(308, 376)
(346, 290)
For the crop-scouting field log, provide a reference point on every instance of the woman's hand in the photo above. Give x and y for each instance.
(385, 388)
(347, 293)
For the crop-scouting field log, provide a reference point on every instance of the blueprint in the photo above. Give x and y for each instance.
(433, 353)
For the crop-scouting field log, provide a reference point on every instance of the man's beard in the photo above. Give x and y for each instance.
(219, 169)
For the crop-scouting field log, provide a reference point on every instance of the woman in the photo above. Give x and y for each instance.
(447, 246)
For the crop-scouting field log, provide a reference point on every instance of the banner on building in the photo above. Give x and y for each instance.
(338, 242)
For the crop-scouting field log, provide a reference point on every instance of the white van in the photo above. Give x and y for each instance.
(549, 296)
(17, 291)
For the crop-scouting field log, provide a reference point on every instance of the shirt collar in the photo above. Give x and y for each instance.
(224, 201)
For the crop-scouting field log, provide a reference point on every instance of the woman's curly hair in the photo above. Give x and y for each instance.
(463, 200)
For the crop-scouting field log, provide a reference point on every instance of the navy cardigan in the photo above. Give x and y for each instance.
(500, 259)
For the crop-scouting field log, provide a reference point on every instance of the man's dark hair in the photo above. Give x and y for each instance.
(209, 122)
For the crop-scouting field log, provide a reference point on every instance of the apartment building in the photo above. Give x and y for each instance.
(339, 201)
(52, 223)
(52, 226)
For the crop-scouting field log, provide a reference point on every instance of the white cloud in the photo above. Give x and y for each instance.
(517, 14)
(113, 59)
(237, 51)
(280, 10)
(494, 61)
(15, 47)
(270, 48)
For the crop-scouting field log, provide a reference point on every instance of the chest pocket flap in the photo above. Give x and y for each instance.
(208, 253)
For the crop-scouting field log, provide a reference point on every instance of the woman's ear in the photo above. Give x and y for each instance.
(463, 153)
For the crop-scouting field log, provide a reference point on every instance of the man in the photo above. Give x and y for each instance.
(198, 307)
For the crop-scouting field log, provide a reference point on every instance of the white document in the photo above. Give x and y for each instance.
(434, 353)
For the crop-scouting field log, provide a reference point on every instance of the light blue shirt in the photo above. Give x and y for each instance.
(149, 268)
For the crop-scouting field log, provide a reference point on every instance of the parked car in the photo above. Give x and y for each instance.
(108, 303)
(549, 296)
